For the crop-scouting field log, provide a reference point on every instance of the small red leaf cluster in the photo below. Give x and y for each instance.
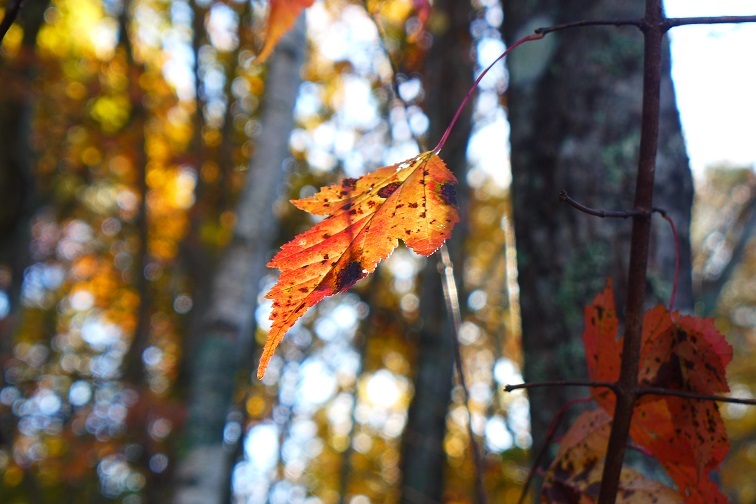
(687, 436)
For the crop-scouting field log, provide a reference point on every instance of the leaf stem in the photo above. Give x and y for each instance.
(677, 259)
(437, 149)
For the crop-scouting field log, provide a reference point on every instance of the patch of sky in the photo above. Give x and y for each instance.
(714, 81)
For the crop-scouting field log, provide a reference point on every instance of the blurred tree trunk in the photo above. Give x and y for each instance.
(226, 333)
(574, 105)
(447, 77)
(17, 186)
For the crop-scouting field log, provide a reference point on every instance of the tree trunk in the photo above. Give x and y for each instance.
(448, 77)
(574, 105)
(17, 185)
(227, 329)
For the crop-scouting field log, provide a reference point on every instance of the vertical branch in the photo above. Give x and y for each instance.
(451, 297)
(133, 366)
(653, 31)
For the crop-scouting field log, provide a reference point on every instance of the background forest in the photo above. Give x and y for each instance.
(146, 163)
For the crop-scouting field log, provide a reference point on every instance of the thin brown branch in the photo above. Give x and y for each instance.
(561, 383)
(638, 23)
(11, 13)
(665, 24)
(627, 386)
(694, 395)
(565, 198)
(672, 22)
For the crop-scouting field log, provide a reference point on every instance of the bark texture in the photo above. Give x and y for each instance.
(574, 105)
(203, 475)
(448, 76)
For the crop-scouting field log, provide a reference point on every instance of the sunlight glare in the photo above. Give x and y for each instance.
(383, 389)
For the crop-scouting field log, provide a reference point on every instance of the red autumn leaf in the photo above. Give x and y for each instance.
(414, 201)
(575, 474)
(281, 18)
(684, 353)
(602, 348)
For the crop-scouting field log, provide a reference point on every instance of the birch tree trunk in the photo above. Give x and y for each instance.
(203, 473)
(574, 105)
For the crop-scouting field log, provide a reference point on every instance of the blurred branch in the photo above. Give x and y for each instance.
(11, 12)
(451, 296)
(133, 365)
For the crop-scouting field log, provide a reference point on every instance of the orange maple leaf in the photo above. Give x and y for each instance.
(414, 201)
(684, 353)
(281, 18)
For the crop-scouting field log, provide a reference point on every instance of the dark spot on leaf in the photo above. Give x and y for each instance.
(448, 193)
(388, 190)
(412, 205)
(349, 183)
(349, 276)
(303, 289)
(326, 236)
